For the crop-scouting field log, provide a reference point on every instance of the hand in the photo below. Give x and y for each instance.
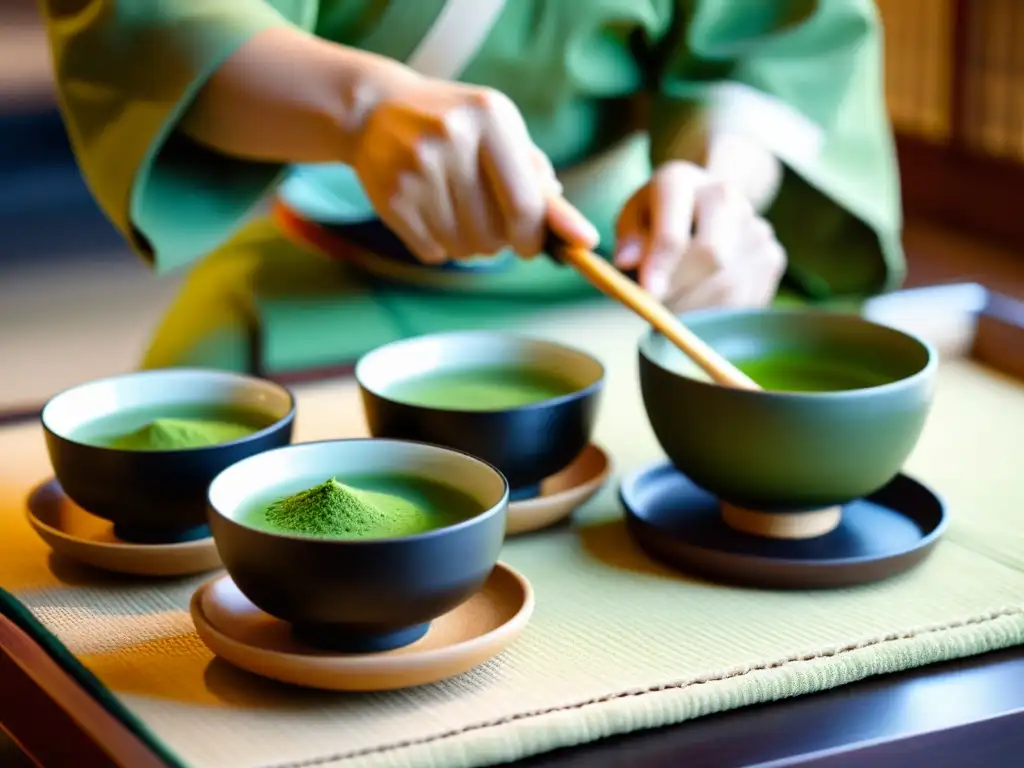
(452, 170)
(731, 258)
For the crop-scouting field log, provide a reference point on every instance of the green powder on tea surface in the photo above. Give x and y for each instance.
(334, 510)
(177, 434)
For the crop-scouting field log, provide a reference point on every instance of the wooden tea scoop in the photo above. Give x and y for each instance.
(610, 281)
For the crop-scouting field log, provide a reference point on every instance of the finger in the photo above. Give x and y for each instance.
(765, 278)
(693, 268)
(723, 220)
(506, 156)
(673, 196)
(405, 220)
(437, 210)
(758, 232)
(479, 220)
(763, 262)
(632, 230)
(477, 215)
(712, 292)
(549, 179)
(552, 188)
(571, 226)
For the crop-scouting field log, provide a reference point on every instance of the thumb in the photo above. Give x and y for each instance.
(571, 226)
(546, 173)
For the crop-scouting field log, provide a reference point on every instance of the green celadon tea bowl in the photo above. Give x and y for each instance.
(845, 401)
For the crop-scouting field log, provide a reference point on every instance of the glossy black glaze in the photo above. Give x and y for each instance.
(364, 595)
(677, 523)
(152, 496)
(528, 444)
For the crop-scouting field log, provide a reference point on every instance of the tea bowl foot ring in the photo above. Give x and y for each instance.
(343, 639)
(135, 535)
(679, 524)
(782, 525)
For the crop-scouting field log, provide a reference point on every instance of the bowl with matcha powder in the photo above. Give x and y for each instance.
(525, 405)
(359, 544)
(141, 449)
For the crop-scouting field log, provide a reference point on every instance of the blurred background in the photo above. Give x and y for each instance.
(75, 304)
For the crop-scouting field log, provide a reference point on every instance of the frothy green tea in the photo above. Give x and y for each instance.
(804, 373)
(173, 427)
(363, 507)
(481, 389)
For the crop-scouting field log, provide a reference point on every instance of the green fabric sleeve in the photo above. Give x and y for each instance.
(838, 215)
(126, 72)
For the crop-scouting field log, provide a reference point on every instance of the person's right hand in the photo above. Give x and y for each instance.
(451, 169)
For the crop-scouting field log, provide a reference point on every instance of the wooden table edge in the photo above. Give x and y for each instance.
(53, 718)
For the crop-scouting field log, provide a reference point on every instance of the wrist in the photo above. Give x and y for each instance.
(361, 82)
(751, 168)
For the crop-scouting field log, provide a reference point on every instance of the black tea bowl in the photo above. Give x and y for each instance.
(528, 443)
(361, 595)
(156, 497)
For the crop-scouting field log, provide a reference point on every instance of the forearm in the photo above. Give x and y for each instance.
(289, 97)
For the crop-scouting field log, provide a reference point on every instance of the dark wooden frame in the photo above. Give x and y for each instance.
(949, 182)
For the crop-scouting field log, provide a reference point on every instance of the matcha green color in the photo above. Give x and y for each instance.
(366, 507)
(790, 451)
(172, 427)
(809, 373)
(480, 389)
(574, 68)
(175, 434)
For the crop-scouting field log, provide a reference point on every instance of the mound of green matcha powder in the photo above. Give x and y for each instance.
(176, 434)
(334, 510)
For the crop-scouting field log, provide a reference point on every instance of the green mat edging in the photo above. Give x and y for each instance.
(22, 617)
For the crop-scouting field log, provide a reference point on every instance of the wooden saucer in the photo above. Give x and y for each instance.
(74, 533)
(562, 493)
(475, 632)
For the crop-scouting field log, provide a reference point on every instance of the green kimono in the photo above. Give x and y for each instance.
(127, 70)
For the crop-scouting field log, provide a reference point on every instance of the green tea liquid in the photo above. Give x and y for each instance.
(804, 373)
(480, 389)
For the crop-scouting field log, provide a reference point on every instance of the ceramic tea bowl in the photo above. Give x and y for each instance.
(790, 450)
(156, 497)
(527, 442)
(357, 595)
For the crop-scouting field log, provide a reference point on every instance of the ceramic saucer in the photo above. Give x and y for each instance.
(475, 632)
(677, 523)
(561, 494)
(74, 533)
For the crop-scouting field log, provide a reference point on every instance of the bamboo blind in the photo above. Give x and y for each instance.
(935, 48)
(919, 66)
(994, 92)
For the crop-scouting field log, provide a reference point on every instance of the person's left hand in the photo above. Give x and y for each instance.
(698, 243)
